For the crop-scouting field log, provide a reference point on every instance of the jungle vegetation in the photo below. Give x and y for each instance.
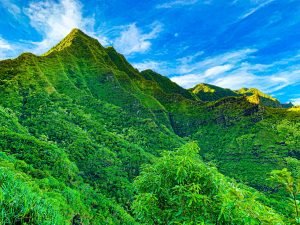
(85, 138)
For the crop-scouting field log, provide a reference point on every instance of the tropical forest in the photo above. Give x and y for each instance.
(161, 112)
(85, 138)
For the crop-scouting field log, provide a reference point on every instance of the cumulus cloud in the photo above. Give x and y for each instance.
(133, 39)
(54, 20)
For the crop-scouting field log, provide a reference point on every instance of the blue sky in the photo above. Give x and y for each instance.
(229, 43)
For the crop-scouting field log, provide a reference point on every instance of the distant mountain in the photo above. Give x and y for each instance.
(166, 85)
(208, 92)
(258, 97)
(78, 123)
(287, 105)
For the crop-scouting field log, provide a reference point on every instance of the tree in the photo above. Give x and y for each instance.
(291, 185)
(179, 188)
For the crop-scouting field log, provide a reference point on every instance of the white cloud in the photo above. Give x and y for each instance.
(133, 40)
(153, 65)
(4, 45)
(190, 58)
(54, 20)
(244, 76)
(9, 49)
(5, 49)
(295, 101)
(233, 70)
(256, 8)
(200, 67)
(176, 3)
(188, 81)
(105, 41)
(190, 70)
(247, 76)
(235, 81)
(216, 70)
(11, 7)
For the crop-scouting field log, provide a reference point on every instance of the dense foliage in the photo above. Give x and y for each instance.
(180, 189)
(77, 124)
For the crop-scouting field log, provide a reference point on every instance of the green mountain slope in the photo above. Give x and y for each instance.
(165, 84)
(78, 122)
(207, 92)
(259, 97)
(70, 100)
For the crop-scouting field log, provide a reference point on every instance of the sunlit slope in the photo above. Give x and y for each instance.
(208, 92)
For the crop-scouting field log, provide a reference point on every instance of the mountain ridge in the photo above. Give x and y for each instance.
(77, 35)
(79, 122)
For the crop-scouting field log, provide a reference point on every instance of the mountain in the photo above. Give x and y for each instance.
(287, 105)
(207, 92)
(256, 96)
(79, 122)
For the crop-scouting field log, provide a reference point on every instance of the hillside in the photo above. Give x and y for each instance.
(256, 96)
(79, 122)
(208, 92)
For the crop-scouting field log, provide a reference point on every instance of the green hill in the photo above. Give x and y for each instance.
(208, 92)
(79, 122)
(259, 97)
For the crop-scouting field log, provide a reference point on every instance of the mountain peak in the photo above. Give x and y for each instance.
(255, 95)
(209, 92)
(75, 37)
(203, 87)
(255, 91)
(75, 31)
